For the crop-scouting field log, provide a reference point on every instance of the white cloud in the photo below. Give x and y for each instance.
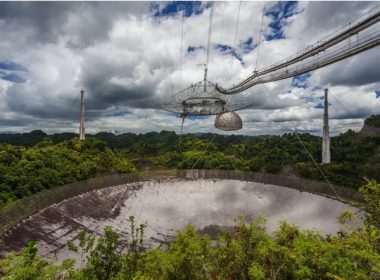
(128, 60)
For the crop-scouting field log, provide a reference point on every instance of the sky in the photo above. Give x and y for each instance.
(127, 57)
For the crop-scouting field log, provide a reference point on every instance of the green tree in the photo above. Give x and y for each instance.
(371, 194)
(30, 266)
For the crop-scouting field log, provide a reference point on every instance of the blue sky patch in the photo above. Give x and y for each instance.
(189, 117)
(173, 8)
(194, 118)
(282, 10)
(307, 99)
(316, 88)
(193, 49)
(248, 45)
(14, 78)
(319, 106)
(377, 93)
(225, 49)
(119, 114)
(301, 81)
(12, 66)
(8, 69)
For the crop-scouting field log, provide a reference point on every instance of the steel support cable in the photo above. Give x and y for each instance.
(205, 150)
(301, 70)
(340, 48)
(355, 51)
(207, 61)
(209, 37)
(181, 51)
(192, 91)
(371, 43)
(334, 57)
(222, 27)
(180, 135)
(312, 50)
(318, 47)
(261, 31)
(320, 170)
(338, 101)
(71, 108)
(237, 26)
(236, 32)
(159, 233)
(316, 164)
(323, 174)
(187, 92)
(314, 66)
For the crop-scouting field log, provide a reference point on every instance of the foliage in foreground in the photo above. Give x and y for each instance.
(247, 252)
(371, 195)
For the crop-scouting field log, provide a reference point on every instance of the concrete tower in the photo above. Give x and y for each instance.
(326, 157)
(82, 135)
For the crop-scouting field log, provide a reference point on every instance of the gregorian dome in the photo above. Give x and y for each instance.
(228, 121)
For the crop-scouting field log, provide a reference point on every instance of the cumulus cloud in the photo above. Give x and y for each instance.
(126, 55)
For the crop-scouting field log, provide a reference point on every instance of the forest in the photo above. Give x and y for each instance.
(35, 161)
(27, 170)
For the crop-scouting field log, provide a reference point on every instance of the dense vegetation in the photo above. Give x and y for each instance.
(31, 162)
(247, 252)
(353, 157)
(27, 170)
(373, 121)
(35, 161)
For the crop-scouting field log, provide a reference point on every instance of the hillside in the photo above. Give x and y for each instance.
(28, 170)
(34, 161)
(371, 127)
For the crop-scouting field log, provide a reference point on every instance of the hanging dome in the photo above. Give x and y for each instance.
(228, 121)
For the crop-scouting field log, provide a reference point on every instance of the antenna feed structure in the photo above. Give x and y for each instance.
(201, 99)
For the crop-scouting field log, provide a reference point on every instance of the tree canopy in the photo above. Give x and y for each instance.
(31, 162)
(28, 170)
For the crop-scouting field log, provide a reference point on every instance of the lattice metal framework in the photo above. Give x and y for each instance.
(202, 99)
(358, 36)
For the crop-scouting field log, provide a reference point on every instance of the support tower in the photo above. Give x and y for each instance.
(81, 126)
(326, 157)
